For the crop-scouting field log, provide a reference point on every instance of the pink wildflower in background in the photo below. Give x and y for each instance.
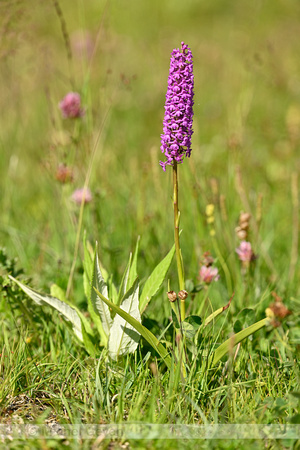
(82, 194)
(245, 251)
(207, 274)
(70, 106)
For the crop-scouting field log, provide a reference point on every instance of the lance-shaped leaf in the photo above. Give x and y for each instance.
(88, 341)
(123, 337)
(100, 308)
(150, 338)
(124, 282)
(88, 266)
(57, 292)
(217, 313)
(112, 290)
(156, 279)
(235, 339)
(133, 268)
(130, 274)
(90, 272)
(87, 332)
(68, 312)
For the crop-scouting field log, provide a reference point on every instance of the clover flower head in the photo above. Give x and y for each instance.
(207, 274)
(178, 119)
(82, 194)
(70, 106)
(245, 251)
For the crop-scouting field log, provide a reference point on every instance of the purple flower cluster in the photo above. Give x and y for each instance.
(178, 120)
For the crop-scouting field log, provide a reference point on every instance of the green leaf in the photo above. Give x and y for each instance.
(58, 292)
(191, 325)
(235, 339)
(244, 318)
(147, 335)
(88, 264)
(123, 337)
(217, 313)
(113, 293)
(101, 310)
(87, 268)
(68, 312)
(156, 279)
(123, 287)
(88, 341)
(133, 268)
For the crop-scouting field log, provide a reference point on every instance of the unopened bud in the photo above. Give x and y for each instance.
(209, 210)
(183, 294)
(244, 225)
(241, 234)
(245, 217)
(64, 174)
(208, 260)
(178, 338)
(172, 296)
(153, 368)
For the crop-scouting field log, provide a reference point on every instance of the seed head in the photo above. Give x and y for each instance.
(172, 296)
(183, 294)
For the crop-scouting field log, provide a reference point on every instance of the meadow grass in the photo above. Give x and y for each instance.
(245, 158)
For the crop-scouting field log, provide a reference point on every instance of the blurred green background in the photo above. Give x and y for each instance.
(116, 55)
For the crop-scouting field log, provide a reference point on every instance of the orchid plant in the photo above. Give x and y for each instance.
(117, 313)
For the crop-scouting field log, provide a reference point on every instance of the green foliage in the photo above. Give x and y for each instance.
(119, 333)
(123, 338)
(103, 318)
(69, 313)
(140, 329)
(237, 338)
(156, 279)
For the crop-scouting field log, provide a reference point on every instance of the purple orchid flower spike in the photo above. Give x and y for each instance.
(178, 120)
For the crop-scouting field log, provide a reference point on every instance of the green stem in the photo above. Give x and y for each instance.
(70, 280)
(79, 225)
(176, 237)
